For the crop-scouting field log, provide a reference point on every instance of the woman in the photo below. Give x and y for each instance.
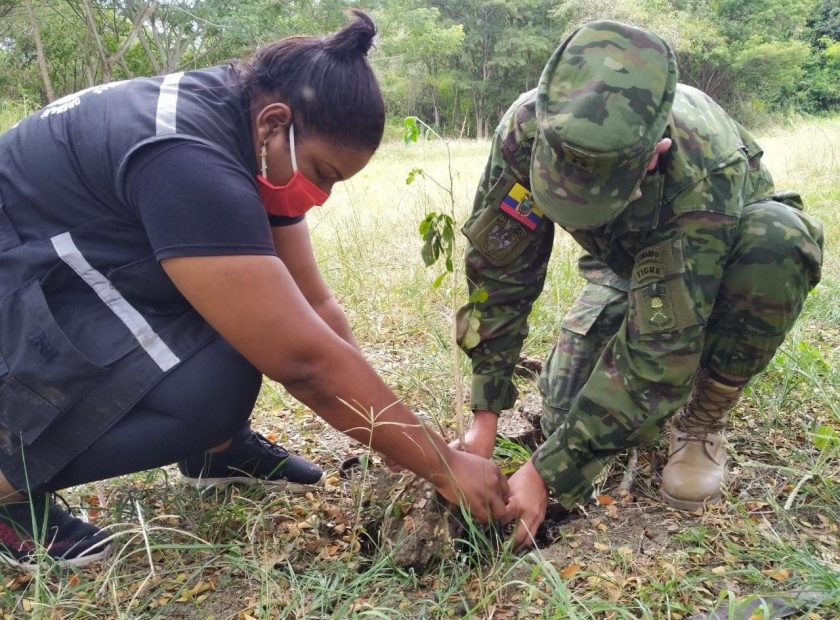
(154, 264)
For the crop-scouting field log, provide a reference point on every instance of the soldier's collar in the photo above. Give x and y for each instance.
(643, 213)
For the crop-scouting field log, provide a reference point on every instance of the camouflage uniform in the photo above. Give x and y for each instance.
(708, 268)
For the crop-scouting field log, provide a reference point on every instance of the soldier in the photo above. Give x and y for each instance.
(695, 268)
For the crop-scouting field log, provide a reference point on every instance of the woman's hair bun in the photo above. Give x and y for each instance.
(355, 38)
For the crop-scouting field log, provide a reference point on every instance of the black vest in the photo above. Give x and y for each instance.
(89, 321)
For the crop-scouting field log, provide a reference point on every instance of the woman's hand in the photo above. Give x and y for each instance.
(526, 504)
(475, 483)
(480, 439)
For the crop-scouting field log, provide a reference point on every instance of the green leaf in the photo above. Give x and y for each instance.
(439, 280)
(479, 296)
(411, 130)
(825, 436)
(427, 254)
(448, 231)
(412, 174)
(425, 225)
(449, 268)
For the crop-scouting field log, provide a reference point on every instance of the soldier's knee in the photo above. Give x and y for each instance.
(781, 242)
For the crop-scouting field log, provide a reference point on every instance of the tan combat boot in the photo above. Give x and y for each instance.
(696, 465)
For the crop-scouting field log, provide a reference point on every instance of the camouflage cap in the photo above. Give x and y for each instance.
(603, 102)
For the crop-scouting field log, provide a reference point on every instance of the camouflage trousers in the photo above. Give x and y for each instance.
(767, 278)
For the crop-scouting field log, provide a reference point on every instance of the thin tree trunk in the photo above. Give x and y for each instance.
(39, 49)
(153, 59)
(134, 32)
(97, 40)
(109, 61)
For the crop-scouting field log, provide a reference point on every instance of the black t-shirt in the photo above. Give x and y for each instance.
(195, 201)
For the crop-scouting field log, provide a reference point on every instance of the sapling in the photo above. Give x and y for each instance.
(438, 233)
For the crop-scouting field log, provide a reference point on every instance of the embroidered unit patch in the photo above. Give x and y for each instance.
(519, 205)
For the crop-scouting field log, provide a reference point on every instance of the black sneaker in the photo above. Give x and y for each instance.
(251, 459)
(57, 534)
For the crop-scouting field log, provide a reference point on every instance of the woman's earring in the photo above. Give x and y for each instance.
(263, 158)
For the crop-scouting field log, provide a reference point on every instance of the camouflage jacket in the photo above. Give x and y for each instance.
(669, 248)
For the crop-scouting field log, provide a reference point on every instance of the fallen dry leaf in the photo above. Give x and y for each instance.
(605, 500)
(202, 586)
(18, 582)
(570, 571)
(777, 574)
(625, 551)
(93, 507)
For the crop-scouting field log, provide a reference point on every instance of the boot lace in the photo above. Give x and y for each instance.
(705, 413)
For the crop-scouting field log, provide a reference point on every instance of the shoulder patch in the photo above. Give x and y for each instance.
(497, 237)
(519, 205)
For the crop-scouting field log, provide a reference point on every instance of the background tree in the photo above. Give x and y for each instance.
(457, 65)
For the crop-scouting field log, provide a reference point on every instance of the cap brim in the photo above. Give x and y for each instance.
(572, 196)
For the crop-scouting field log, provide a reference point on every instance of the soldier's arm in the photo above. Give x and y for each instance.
(505, 266)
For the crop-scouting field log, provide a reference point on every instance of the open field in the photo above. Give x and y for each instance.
(248, 554)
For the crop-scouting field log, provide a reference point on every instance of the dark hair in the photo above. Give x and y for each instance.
(328, 82)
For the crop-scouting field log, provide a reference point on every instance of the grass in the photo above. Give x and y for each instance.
(248, 554)
(12, 111)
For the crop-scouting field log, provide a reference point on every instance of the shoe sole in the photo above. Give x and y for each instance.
(79, 561)
(687, 505)
(218, 483)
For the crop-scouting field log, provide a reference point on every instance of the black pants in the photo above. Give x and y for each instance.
(199, 405)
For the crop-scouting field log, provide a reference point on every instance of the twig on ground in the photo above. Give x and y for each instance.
(630, 474)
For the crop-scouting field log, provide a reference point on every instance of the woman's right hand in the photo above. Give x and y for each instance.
(475, 483)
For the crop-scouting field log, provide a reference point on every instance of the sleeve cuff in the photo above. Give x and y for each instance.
(284, 220)
(568, 481)
(492, 393)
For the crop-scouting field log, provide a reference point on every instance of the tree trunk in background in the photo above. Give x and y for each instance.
(39, 48)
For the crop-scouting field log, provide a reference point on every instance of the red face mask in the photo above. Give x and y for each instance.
(295, 197)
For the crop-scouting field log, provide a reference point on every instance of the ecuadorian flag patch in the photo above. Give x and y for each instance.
(520, 206)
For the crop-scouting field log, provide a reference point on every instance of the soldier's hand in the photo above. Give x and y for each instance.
(475, 483)
(480, 438)
(526, 504)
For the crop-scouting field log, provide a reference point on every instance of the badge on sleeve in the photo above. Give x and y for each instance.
(519, 205)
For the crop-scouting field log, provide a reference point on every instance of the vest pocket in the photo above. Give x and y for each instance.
(42, 374)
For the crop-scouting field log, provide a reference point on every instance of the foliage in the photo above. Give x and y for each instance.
(822, 85)
(458, 64)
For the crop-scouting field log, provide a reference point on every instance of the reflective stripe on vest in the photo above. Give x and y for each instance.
(130, 317)
(167, 104)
